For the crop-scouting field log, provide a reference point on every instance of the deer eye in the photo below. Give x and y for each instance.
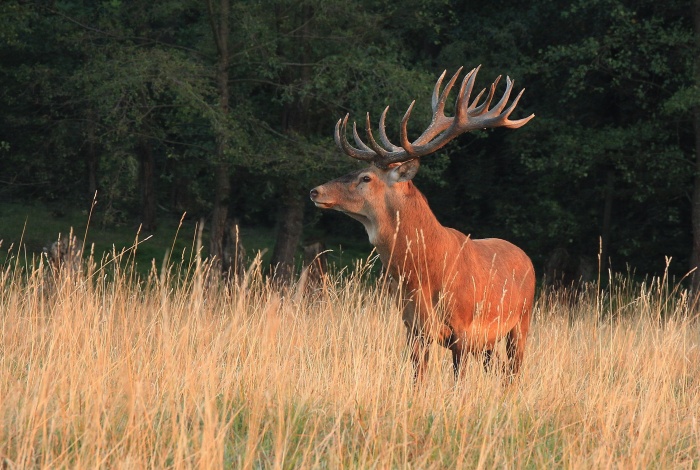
(366, 179)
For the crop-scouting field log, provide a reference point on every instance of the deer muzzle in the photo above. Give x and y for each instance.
(317, 196)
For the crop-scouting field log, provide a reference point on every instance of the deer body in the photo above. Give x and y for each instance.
(464, 293)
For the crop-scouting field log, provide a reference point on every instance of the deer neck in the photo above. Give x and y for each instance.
(405, 224)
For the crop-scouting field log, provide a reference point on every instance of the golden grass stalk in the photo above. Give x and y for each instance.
(109, 369)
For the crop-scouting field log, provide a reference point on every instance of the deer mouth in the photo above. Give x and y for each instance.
(324, 205)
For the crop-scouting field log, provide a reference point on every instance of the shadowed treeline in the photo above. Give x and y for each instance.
(225, 111)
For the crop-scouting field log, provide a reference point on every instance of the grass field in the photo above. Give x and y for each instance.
(108, 368)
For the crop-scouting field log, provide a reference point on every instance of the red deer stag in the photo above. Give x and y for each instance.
(466, 294)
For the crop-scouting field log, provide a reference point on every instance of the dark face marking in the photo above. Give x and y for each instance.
(350, 177)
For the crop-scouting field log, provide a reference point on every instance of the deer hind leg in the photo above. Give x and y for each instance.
(487, 353)
(515, 346)
(458, 354)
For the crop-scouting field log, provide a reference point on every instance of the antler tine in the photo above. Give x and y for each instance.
(373, 143)
(342, 142)
(484, 107)
(472, 105)
(499, 118)
(405, 144)
(439, 121)
(439, 106)
(436, 90)
(382, 133)
(336, 135)
(462, 102)
(359, 141)
(504, 99)
(518, 122)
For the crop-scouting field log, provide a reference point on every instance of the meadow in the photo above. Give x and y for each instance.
(106, 367)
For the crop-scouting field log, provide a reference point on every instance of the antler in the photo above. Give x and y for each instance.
(442, 129)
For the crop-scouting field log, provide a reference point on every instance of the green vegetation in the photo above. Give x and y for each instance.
(35, 227)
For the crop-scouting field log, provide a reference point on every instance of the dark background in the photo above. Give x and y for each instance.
(225, 110)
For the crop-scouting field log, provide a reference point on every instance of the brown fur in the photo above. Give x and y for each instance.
(466, 294)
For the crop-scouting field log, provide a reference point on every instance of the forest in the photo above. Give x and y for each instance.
(225, 110)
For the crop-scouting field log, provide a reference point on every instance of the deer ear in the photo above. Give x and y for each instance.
(404, 171)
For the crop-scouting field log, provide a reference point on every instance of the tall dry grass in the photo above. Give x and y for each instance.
(103, 368)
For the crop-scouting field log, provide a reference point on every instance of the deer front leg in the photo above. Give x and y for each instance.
(417, 335)
(418, 347)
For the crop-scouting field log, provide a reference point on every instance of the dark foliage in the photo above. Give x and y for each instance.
(121, 97)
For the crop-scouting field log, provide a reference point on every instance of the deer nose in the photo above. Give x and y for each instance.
(313, 194)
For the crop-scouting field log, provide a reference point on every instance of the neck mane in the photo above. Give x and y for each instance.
(405, 225)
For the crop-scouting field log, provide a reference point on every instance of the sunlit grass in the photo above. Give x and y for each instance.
(104, 368)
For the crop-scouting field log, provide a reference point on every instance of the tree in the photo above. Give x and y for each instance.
(606, 143)
(227, 108)
(117, 91)
(629, 72)
(219, 20)
(694, 102)
(310, 62)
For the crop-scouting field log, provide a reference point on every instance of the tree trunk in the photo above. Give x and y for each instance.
(147, 183)
(91, 164)
(220, 29)
(695, 209)
(295, 119)
(290, 226)
(220, 213)
(91, 157)
(607, 220)
(180, 194)
(315, 264)
(695, 214)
